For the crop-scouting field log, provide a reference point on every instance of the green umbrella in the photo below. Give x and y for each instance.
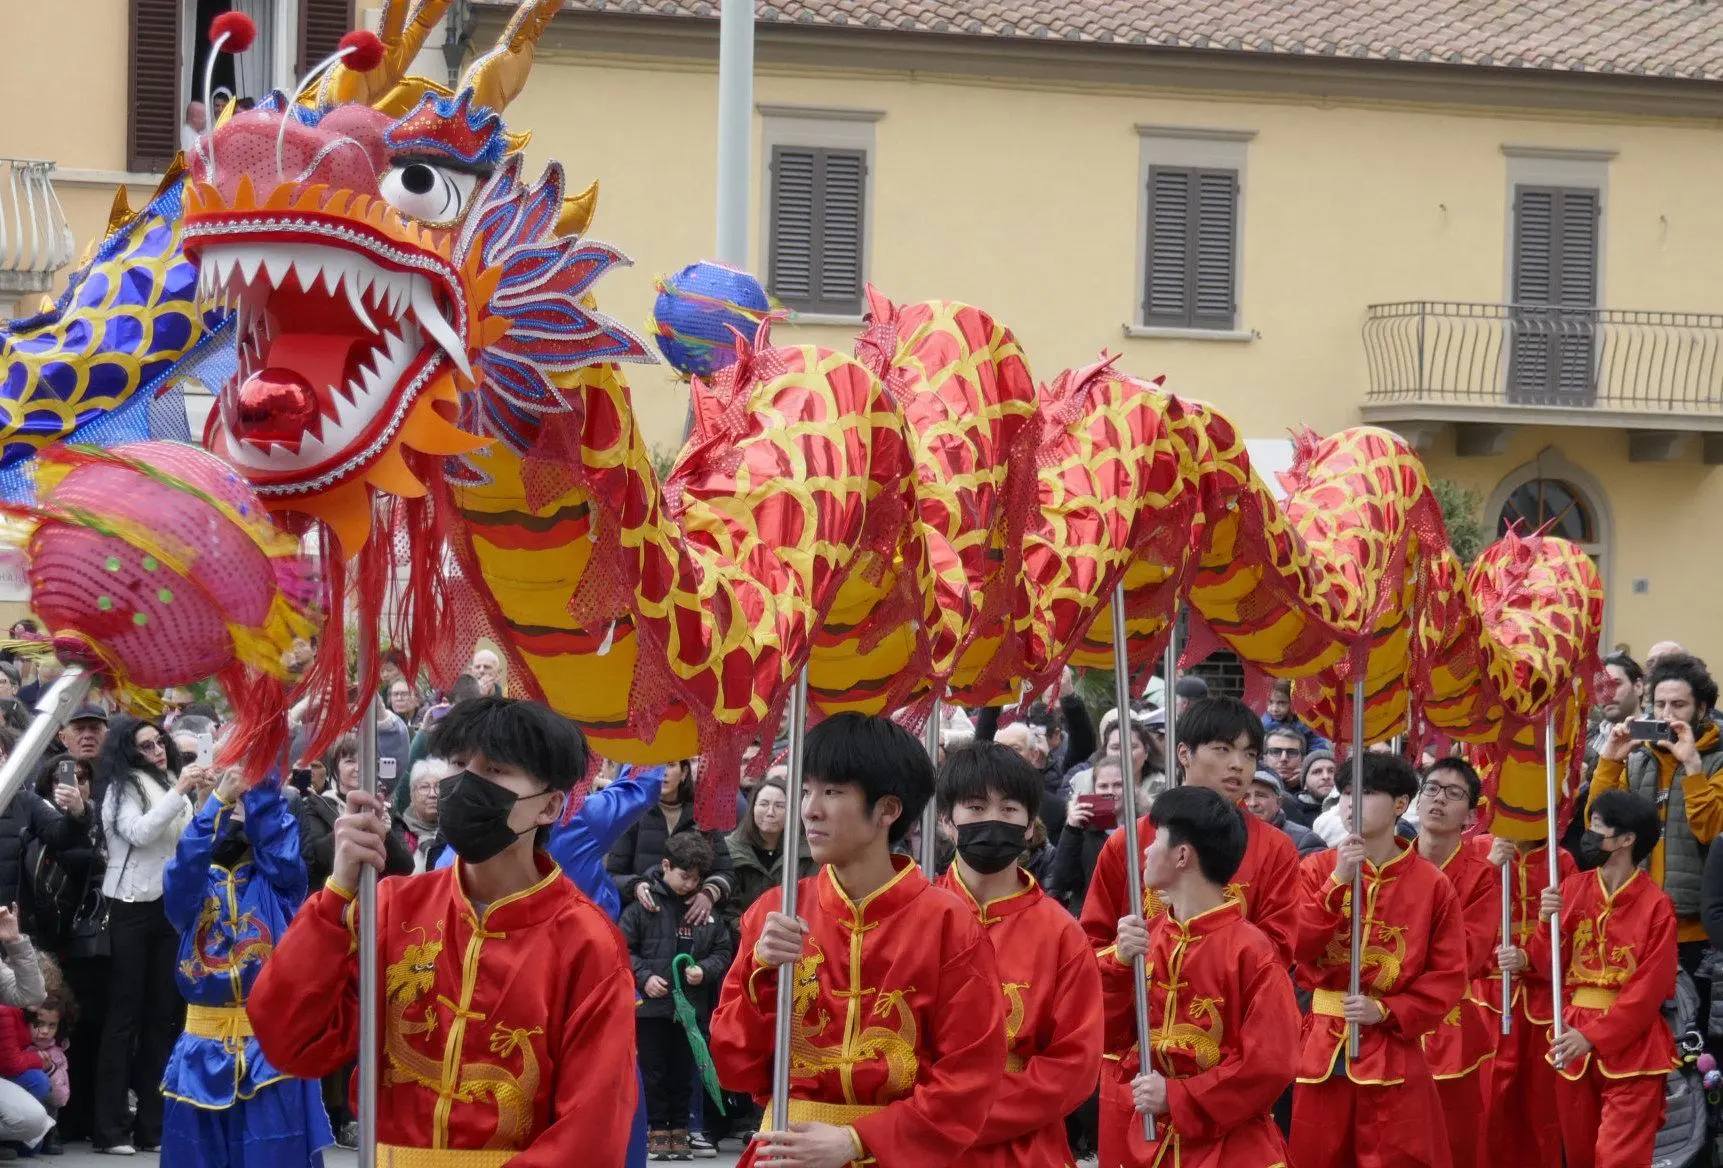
(696, 1042)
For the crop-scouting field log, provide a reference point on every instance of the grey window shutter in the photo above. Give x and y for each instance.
(1216, 213)
(819, 221)
(1192, 248)
(791, 273)
(155, 110)
(1166, 299)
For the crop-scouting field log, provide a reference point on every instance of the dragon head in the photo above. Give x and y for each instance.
(403, 294)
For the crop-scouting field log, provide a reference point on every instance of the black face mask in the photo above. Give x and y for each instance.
(231, 848)
(990, 845)
(1591, 849)
(473, 815)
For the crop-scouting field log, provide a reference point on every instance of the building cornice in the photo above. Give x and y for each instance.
(687, 43)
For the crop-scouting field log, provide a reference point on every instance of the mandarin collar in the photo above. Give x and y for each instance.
(876, 906)
(1027, 895)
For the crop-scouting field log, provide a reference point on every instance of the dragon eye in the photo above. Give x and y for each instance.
(428, 193)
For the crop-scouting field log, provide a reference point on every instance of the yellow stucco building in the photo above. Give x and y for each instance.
(1492, 230)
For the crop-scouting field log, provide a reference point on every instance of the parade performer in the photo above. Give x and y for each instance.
(1519, 1090)
(898, 1032)
(1052, 990)
(1221, 1006)
(230, 890)
(508, 1012)
(1380, 1110)
(1220, 740)
(1618, 936)
(1460, 1048)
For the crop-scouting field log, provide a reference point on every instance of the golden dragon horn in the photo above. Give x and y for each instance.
(497, 77)
(403, 31)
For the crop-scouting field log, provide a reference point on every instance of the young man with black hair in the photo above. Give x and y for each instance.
(507, 1025)
(1683, 776)
(989, 797)
(1381, 1109)
(899, 1024)
(1220, 740)
(1461, 1046)
(1618, 936)
(1221, 1009)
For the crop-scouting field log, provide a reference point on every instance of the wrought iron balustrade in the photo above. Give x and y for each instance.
(1460, 353)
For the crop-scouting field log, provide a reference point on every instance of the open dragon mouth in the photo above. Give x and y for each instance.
(351, 327)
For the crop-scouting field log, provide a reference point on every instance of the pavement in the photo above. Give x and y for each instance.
(80, 1156)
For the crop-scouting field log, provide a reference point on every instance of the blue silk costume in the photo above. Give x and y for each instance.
(227, 1107)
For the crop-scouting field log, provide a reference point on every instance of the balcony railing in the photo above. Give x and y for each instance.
(1454, 353)
(35, 239)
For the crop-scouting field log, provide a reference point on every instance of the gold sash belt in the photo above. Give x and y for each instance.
(1593, 997)
(227, 1023)
(391, 1156)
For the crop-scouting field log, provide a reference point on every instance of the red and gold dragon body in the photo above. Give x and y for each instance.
(424, 371)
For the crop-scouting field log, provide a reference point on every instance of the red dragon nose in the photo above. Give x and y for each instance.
(345, 150)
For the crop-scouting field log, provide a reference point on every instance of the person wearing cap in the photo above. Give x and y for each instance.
(1189, 688)
(1306, 801)
(1264, 799)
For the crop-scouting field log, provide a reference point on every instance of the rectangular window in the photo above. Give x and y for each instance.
(818, 228)
(1191, 263)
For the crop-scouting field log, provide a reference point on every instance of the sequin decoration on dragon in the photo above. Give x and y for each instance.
(425, 378)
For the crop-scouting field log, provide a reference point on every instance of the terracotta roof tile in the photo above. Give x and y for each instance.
(1654, 37)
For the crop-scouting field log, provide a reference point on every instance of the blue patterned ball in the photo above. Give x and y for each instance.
(696, 310)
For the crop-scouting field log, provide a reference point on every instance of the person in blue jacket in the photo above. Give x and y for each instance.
(231, 889)
(579, 844)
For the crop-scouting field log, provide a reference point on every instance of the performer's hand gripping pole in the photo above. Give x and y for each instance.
(1508, 939)
(792, 868)
(1358, 921)
(1128, 796)
(930, 814)
(1552, 848)
(52, 712)
(370, 1000)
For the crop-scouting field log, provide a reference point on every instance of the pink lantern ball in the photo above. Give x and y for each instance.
(156, 563)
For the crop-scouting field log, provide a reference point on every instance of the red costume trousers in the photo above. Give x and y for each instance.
(1609, 1123)
(1463, 1116)
(1519, 1098)
(1340, 1124)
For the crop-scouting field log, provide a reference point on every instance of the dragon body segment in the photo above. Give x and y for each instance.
(917, 518)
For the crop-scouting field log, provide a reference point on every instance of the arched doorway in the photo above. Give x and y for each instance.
(1551, 494)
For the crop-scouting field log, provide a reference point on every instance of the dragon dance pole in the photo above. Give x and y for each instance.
(792, 865)
(52, 712)
(1133, 846)
(930, 813)
(1552, 849)
(1507, 939)
(369, 999)
(1169, 706)
(1358, 876)
(735, 128)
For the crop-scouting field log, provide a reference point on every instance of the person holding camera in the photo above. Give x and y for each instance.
(1674, 759)
(1093, 816)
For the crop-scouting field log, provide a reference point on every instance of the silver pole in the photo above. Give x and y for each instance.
(1508, 939)
(1554, 853)
(1169, 704)
(53, 710)
(370, 1000)
(1133, 845)
(930, 813)
(792, 864)
(1358, 876)
(735, 127)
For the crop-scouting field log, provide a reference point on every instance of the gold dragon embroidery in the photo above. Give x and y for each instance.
(1201, 1043)
(1014, 1014)
(892, 1043)
(408, 981)
(1598, 963)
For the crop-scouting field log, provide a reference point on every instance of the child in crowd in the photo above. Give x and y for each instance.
(47, 1022)
(656, 938)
